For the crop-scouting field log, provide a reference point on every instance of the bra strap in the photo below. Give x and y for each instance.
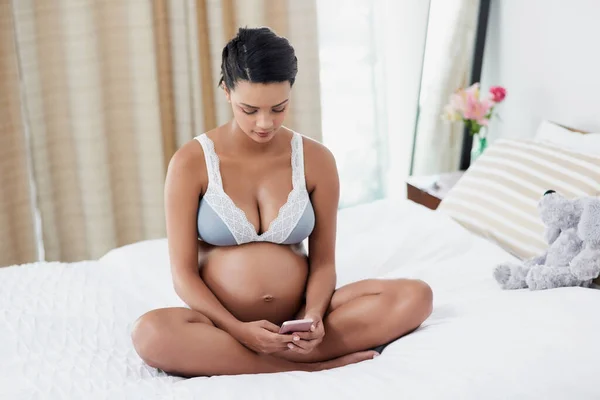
(211, 159)
(298, 179)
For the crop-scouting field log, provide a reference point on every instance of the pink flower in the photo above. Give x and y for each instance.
(466, 104)
(476, 109)
(498, 93)
(473, 90)
(459, 99)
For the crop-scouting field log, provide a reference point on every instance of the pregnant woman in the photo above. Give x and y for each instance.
(240, 201)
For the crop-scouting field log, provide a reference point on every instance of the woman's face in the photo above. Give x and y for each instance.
(260, 109)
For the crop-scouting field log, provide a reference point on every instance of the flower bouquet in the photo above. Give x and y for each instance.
(475, 111)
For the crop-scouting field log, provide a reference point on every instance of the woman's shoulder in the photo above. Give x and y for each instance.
(188, 163)
(190, 154)
(316, 152)
(319, 163)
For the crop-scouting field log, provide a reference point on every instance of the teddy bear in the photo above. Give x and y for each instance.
(586, 264)
(573, 254)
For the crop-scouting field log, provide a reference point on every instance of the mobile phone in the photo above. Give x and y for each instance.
(297, 325)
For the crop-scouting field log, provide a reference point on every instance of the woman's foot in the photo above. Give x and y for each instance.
(352, 358)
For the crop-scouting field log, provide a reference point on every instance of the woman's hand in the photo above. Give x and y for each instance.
(305, 342)
(262, 337)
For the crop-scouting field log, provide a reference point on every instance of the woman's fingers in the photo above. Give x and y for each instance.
(301, 347)
(305, 335)
(303, 344)
(268, 325)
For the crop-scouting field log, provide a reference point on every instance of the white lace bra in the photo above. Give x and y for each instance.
(222, 223)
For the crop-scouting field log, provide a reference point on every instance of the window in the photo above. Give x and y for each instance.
(360, 43)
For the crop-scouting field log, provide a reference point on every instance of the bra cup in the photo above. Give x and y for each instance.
(220, 222)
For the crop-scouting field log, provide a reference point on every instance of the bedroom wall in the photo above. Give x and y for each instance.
(545, 52)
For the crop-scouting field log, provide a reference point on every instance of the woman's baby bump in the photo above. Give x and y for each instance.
(257, 280)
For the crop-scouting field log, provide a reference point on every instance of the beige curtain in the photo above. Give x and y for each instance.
(109, 90)
(17, 233)
(447, 65)
(89, 74)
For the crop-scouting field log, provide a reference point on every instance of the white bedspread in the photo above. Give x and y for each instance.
(64, 328)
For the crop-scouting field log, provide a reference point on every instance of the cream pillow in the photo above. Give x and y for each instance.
(497, 197)
(549, 132)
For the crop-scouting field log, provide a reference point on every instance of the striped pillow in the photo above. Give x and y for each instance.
(498, 195)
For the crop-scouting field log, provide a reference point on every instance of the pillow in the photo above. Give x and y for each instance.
(497, 197)
(549, 132)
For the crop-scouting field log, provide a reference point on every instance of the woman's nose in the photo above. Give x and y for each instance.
(264, 121)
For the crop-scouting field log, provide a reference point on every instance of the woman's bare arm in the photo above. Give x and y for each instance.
(325, 192)
(186, 178)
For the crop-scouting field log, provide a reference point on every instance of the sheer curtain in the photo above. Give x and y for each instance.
(371, 55)
(387, 70)
(447, 67)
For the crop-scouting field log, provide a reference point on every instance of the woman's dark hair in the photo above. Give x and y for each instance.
(258, 55)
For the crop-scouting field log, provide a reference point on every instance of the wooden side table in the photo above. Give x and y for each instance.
(430, 190)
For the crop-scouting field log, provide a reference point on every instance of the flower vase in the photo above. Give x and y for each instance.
(479, 146)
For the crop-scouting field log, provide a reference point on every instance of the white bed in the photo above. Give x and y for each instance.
(64, 328)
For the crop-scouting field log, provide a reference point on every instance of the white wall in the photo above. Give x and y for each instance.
(547, 54)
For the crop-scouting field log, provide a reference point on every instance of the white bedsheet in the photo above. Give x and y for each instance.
(64, 328)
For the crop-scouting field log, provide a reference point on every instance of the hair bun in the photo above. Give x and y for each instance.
(258, 55)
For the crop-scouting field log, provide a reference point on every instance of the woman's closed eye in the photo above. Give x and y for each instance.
(250, 112)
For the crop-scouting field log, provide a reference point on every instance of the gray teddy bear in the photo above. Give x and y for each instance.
(573, 254)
